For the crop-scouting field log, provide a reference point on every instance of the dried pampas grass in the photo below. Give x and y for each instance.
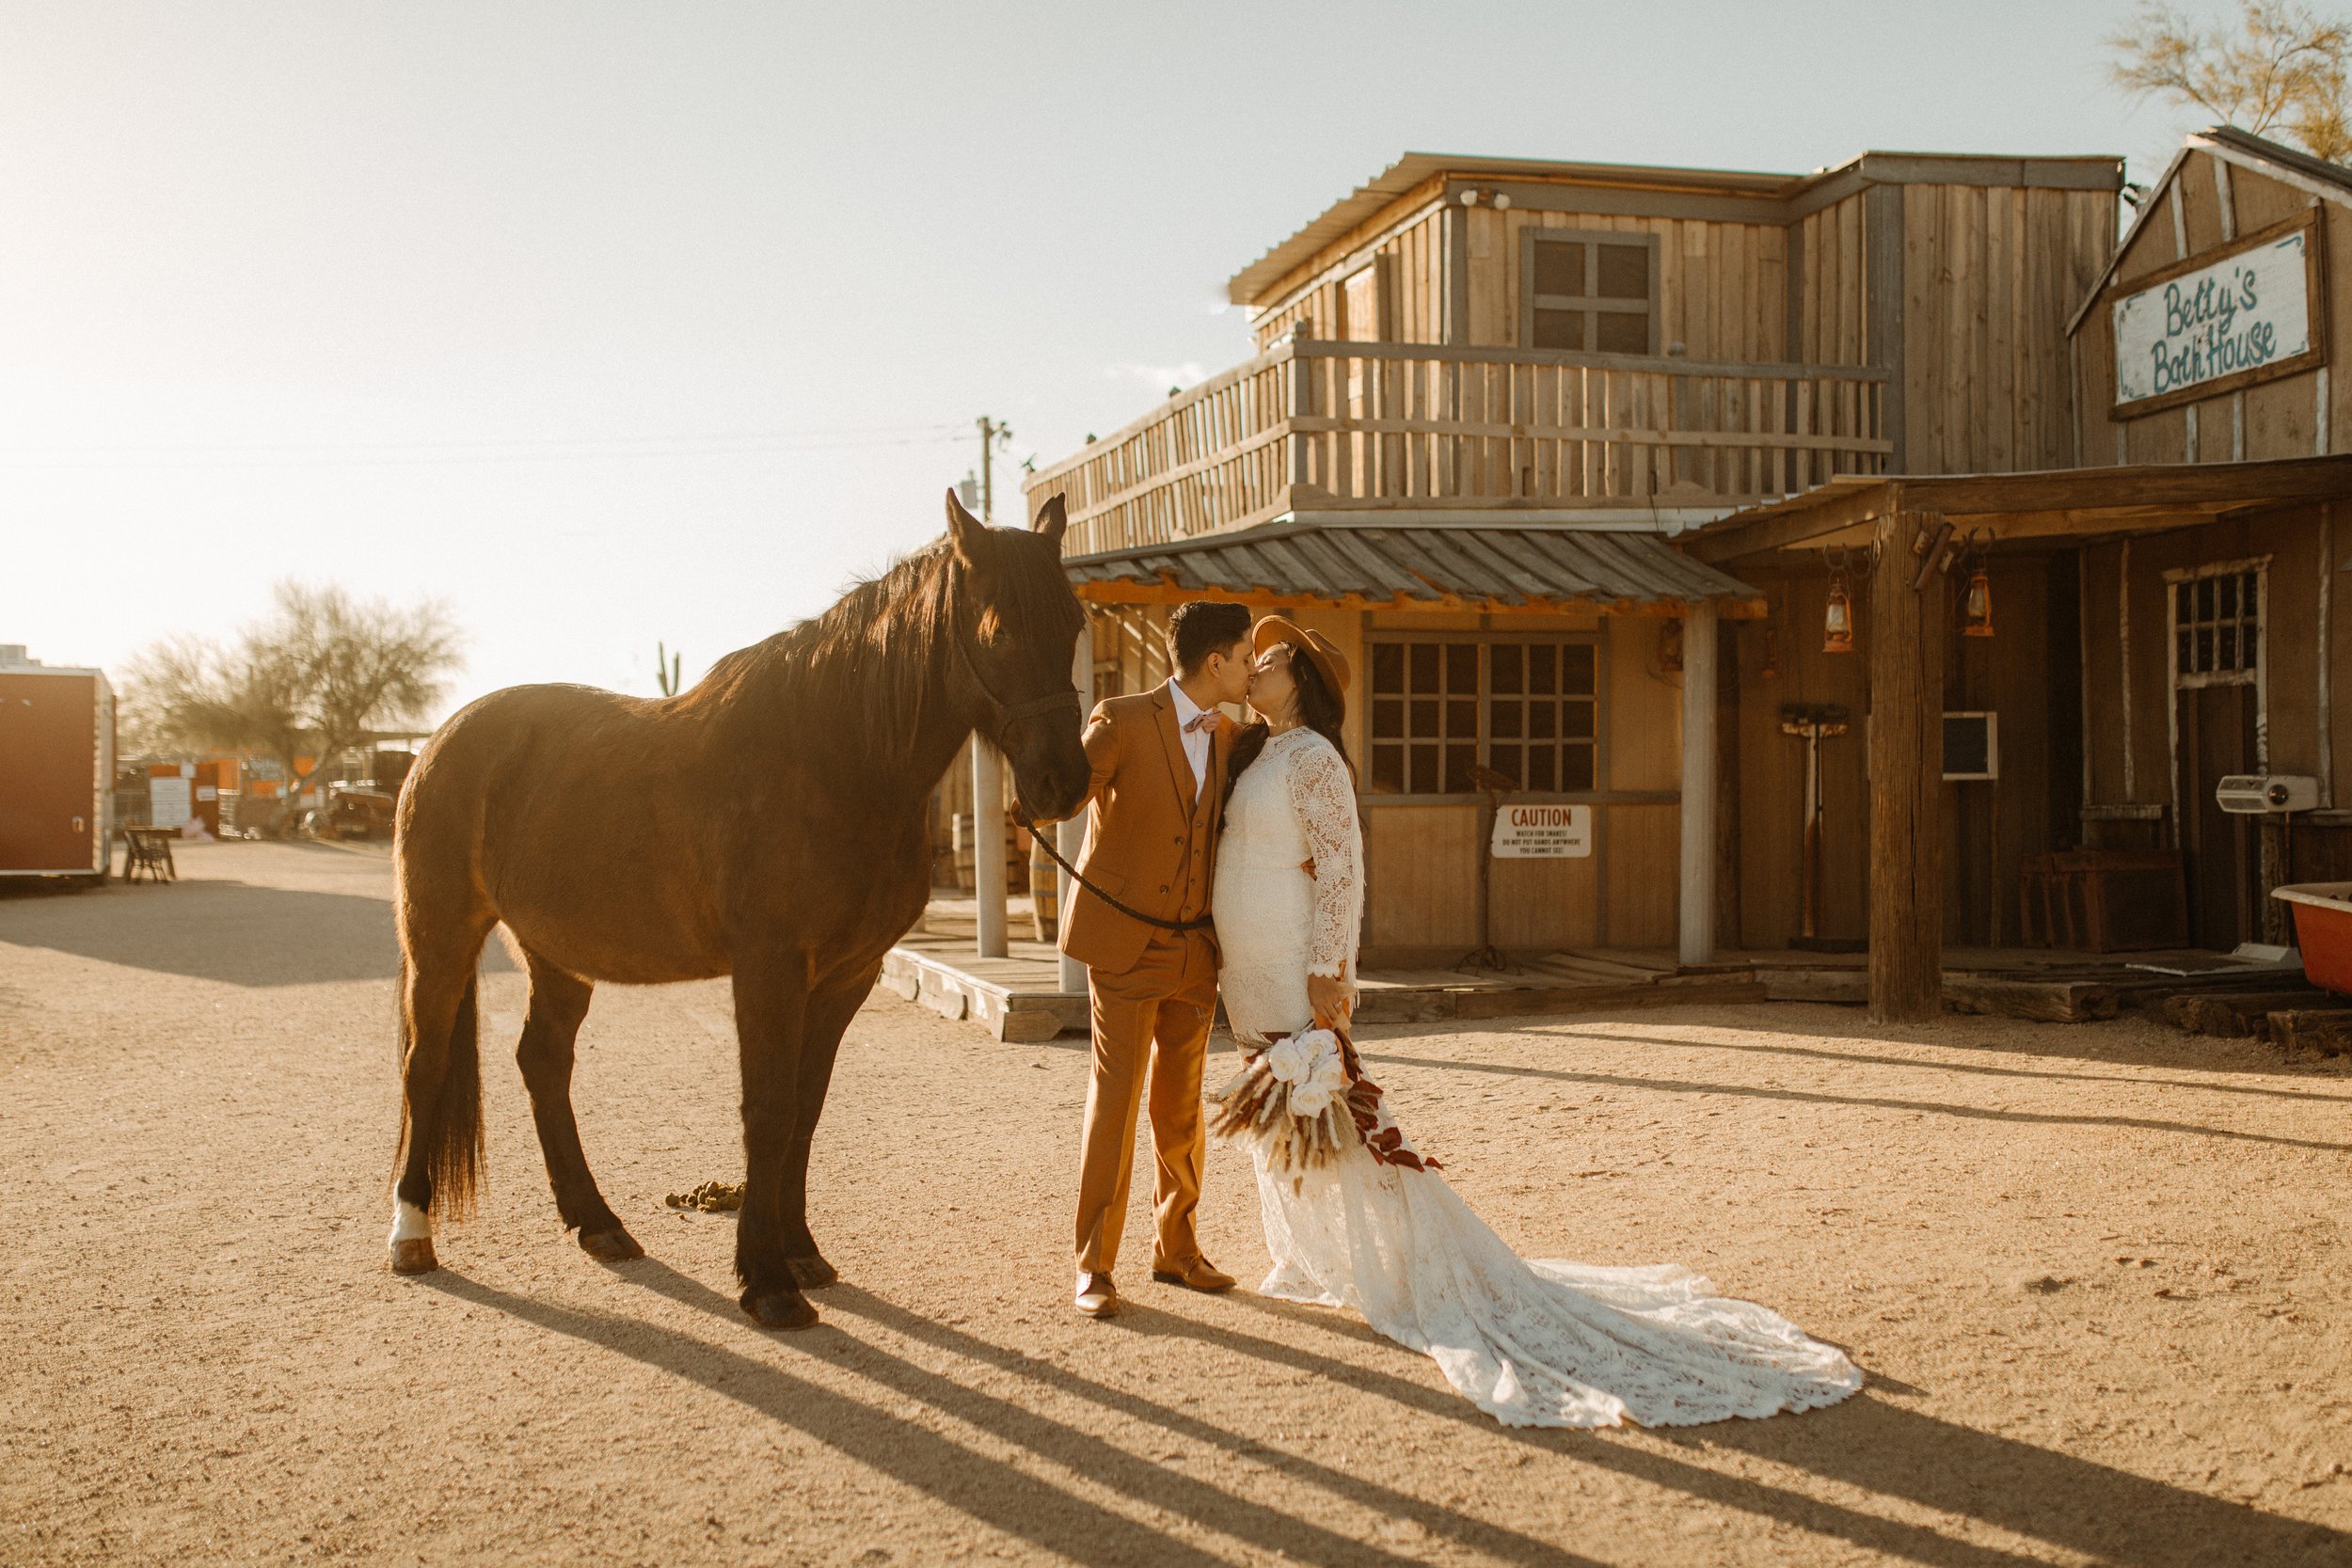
(1254, 1108)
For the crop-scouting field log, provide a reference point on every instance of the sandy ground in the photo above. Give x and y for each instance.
(2097, 1275)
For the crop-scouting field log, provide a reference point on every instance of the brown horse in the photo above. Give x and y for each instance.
(771, 824)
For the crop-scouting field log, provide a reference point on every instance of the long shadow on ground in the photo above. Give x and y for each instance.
(1866, 1442)
(984, 1488)
(218, 928)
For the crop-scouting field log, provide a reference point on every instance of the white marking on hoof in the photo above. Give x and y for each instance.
(410, 1224)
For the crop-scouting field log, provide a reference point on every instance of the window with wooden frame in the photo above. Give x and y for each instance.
(1589, 291)
(2217, 623)
(1527, 708)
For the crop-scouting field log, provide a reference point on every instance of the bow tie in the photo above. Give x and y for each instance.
(1204, 720)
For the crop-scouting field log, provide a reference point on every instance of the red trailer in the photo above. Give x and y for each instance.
(57, 767)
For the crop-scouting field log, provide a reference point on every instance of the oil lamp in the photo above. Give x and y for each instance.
(1837, 621)
(1976, 608)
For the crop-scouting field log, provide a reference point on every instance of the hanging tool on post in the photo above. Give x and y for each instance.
(1813, 722)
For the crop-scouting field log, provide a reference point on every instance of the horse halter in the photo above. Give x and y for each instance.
(1008, 714)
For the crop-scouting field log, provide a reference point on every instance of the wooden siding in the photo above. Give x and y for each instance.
(1422, 856)
(1770, 794)
(2305, 548)
(1829, 285)
(1415, 290)
(1991, 276)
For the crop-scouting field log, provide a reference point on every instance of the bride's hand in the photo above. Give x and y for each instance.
(1328, 995)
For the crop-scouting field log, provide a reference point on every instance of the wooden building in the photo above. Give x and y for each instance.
(2160, 614)
(1487, 393)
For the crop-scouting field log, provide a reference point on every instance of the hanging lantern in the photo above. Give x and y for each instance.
(1772, 653)
(1837, 622)
(1978, 606)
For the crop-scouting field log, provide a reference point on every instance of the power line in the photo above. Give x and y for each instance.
(338, 454)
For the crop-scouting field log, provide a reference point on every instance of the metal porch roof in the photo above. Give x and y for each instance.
(1372, 564)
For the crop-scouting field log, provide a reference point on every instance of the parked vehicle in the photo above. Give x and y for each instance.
(57, 760)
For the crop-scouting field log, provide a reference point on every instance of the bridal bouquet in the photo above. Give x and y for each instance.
(1292, 1098)
(1302, 1098)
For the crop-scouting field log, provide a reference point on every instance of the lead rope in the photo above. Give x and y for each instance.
(1045, 842)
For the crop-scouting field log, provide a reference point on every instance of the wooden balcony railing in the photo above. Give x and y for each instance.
(1321, 424)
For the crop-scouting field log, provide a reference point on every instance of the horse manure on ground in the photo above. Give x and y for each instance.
(711, 1197)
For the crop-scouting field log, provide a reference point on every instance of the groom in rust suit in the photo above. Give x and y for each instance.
(1159, 784)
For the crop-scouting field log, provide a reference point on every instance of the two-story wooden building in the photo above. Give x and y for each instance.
(1488, 394)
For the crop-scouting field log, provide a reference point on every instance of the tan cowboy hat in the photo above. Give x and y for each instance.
(1329, 662)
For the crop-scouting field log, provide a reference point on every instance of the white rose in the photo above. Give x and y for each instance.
(1289, 1059)
(1329, 1074)
(1308, 1099)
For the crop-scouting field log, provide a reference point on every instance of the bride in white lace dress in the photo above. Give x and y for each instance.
(1354, 1216)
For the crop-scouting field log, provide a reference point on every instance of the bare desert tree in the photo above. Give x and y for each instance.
(322, 673)
(2278, 71)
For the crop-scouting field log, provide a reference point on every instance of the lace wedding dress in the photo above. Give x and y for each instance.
(1354, 1217)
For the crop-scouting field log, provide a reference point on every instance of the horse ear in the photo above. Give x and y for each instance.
(1052, 519)
(964, 529)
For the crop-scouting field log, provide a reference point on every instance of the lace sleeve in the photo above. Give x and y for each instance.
(1325, 799)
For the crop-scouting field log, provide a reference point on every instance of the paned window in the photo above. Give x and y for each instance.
(1530, 710)
(1589, 292)
(2216, 622)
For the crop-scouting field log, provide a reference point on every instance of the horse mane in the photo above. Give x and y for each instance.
(864, 669)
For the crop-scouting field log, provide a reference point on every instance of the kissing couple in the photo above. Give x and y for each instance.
(1230, 856)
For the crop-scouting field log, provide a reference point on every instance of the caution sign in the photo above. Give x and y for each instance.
(1543, 832)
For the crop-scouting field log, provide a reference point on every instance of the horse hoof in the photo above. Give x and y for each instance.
(414, 1255)
(615, 1245)
(813, 1272)
(784, 1310)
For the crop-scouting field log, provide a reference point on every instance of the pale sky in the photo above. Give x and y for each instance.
(615, 322)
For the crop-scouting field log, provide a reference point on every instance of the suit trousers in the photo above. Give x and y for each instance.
(1158, 1012)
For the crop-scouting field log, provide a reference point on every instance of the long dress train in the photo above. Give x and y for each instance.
(1356, 1217)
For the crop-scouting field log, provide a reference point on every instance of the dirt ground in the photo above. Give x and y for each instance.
(2097, 1275)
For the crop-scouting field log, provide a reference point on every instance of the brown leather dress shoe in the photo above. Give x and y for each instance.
(1196, 1276)
(1097, 1296)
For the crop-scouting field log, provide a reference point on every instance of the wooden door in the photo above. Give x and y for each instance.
(2221, 851)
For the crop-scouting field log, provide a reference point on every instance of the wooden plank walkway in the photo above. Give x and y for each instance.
(1019, 997)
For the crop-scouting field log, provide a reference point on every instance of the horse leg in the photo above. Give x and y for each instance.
(559, 1001)
(771, 1004)
(829, 1014)
(440, 1090)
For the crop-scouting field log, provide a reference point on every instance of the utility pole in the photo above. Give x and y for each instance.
(993, 435)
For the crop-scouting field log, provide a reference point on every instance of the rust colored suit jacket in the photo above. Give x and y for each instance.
(1152, 843)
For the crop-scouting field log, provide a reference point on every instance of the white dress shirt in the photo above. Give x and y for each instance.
(1196, 741)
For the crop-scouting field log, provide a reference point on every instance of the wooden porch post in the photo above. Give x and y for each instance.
(988, 845)
(1069, 837)
(1906, 636)
(1698, 903)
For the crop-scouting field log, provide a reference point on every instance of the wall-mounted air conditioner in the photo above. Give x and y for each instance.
(2253, 793)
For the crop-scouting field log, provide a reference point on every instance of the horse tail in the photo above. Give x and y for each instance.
(451, 1139)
